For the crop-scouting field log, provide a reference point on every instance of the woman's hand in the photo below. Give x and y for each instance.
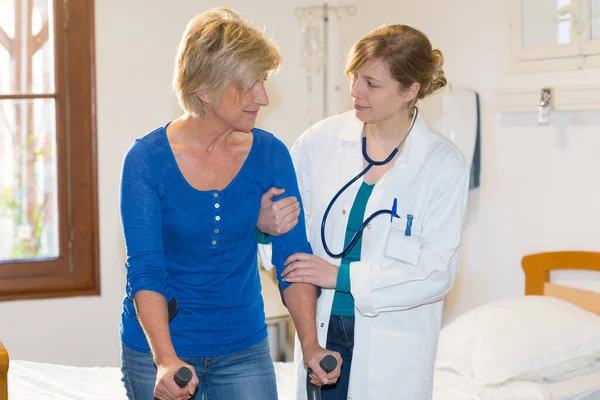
(308, 268)
(313, 354)
(166, 388)
(277, 218)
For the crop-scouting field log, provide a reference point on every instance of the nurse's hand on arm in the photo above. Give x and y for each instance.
(279, 217)
(309, 268)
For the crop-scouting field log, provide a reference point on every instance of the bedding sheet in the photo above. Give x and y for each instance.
(451, 386)
(39, 381)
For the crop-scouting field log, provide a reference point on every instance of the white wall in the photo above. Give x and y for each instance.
(539, 184)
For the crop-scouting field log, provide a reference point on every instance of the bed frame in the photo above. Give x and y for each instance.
(537, 269)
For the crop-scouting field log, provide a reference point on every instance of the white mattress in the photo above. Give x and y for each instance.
(450, 386)
(38, 381)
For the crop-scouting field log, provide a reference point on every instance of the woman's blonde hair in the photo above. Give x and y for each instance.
(219, 49)
(407, 53)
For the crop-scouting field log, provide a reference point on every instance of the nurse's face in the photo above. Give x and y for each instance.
(377, 95)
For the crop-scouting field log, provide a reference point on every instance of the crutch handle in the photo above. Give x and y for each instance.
(328, 363)
(183, 376)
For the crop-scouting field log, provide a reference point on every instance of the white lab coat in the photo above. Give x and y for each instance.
(398, 304)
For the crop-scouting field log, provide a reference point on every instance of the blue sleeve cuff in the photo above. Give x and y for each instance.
(147, 283)
(146, 272)
(343, 279)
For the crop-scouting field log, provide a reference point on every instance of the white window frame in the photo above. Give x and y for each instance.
(581, 53)
(590, 47)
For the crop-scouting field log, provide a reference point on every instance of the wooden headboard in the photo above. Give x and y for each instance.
(3, 372)
(537, 269)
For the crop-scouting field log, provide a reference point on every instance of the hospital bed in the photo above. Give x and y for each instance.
(543, 346)
(580, 377)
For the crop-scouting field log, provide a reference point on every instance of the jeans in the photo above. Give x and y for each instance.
(340, 338)
(246, 374)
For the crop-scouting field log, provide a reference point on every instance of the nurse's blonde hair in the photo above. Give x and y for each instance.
(408, 55)
(219, 49)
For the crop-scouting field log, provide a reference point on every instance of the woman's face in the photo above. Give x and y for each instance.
(238, 110)
(377, 95)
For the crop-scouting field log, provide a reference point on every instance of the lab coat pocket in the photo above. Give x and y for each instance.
(402, 366)
(402, 247)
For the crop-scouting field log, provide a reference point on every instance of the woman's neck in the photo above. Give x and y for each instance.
(390, 131)
(207, 132)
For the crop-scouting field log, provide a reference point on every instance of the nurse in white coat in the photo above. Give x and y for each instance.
(381, 305)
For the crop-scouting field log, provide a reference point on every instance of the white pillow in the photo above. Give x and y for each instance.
(528, 337)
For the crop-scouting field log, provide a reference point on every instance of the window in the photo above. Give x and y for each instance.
(551, 35)
(48, 189)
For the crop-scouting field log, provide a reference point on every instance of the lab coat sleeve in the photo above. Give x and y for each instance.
(402, 286)
(301, 159)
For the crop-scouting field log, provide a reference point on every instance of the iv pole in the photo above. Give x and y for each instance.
(325, 9)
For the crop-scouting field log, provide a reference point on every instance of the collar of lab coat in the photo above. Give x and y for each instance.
(415, 147)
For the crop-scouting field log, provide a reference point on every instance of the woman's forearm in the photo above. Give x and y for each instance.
(301, 301)
(153, 316)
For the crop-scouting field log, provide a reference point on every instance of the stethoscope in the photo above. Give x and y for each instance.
(371, 163)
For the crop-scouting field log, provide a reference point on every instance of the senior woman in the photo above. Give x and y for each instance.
(190, 198)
